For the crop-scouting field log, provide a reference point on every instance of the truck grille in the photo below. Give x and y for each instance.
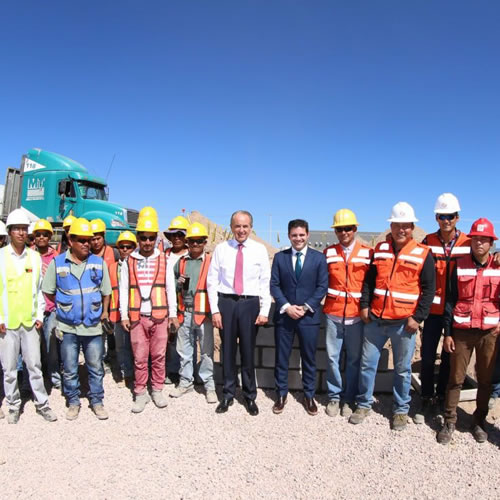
(132, 216)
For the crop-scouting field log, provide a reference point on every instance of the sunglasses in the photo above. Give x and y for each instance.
(199, 241)
(447, 216)
(147, 238)
(40, 234)
(126, 247)
(177, 235)
(82, 241)
(345, 229)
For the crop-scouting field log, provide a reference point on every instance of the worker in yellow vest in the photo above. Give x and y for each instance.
(21, 317)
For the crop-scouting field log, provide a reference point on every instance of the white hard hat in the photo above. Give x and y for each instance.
(446, 203)
(3, 230)
(31, 228)
(402, 212)
(18, 216)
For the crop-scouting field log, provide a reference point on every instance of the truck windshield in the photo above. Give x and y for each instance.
(91, 191)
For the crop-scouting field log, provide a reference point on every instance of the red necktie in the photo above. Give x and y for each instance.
(238, 271)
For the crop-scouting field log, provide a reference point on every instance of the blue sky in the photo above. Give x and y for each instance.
(286, 108)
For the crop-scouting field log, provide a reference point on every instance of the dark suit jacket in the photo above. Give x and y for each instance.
(310, 288)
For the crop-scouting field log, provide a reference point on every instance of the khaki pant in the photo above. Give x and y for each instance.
(485, 344)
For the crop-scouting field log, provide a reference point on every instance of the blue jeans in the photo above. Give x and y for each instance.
(403, 348)
(93, 352)
(495, 379)
(51, 355)
(350, 336)
(124, 350)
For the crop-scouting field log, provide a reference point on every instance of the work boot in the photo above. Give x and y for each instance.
(445, 434)
(211, 397)
(73, 411)
(100, 411)
(13, 416)
(159, 399)
(423, 412)
(332, 408)
(47, 414)
(399, 421)
(345, 410)
(480, 435)
(141, 400)
(359, 415)
(180, 391)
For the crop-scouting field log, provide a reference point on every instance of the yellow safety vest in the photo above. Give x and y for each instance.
(18, 292)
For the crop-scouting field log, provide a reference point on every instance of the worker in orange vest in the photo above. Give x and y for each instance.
(396, 297)
(472, 323)
(190, 273)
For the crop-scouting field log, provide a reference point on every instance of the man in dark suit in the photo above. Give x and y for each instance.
(299, 281)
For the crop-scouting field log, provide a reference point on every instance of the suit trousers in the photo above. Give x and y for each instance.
(284, 333)
(238, 325)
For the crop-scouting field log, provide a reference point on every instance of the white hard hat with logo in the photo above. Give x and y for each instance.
(446, 203)
(18, 217)
(402, 212)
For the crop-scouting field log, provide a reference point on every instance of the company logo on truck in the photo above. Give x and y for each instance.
(36, 190)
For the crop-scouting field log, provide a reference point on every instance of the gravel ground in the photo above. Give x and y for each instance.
(187, 451)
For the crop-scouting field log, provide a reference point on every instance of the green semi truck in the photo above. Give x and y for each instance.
(51, 186)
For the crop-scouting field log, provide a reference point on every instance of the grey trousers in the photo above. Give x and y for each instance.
(26, 341)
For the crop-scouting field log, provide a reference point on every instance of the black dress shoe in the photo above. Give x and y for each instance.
(224, 405)
(279, 405)
(310, 406)
(252, 407)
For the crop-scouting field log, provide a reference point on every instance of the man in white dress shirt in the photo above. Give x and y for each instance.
(238, 292)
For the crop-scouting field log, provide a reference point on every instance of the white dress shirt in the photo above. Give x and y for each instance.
(256, 273)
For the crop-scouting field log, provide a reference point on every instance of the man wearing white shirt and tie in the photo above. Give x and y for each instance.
(238, 292)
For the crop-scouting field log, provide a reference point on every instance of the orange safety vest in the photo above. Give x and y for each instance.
(114, 307)
(345, 279)
(109, 256)
(397, 284)
(201, 308)
(158, 294)
(444, 265)
(478, 304)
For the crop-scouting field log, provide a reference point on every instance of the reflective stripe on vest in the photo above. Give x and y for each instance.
(114, 305)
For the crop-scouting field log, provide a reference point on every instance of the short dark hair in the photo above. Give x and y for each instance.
(298, 223)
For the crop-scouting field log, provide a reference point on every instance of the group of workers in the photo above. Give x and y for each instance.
(160, 298)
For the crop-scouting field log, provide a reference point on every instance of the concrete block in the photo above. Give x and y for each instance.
(265, 378)
(295, 380)
(383, 364)
(322, 338)
(294, 359)
(268, 357)
(256, 358)
(265, 337)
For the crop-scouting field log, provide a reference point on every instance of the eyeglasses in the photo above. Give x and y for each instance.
(126, 247)
(147, 238)
(196, 242)
(40, 234)
(345, 229)
(447, 216)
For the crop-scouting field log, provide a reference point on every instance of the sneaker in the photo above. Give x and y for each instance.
(480, 435)
(141, 400)
(345, 410)
(359, 415)
(73, 411)
(180, 391)
(211, 397)
(2, 415)
(47, 414)
(100, 411)
(159, 399)
(399, 421)
(445, 434)
(332, 409)
(13, 416)
(423, 412)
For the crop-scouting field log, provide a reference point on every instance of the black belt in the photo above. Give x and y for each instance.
(234, 296)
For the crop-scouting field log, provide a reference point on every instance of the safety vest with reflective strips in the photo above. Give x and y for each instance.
(345, 279)
(478, 295)
(397, 285)
(201, 307)
(444, 265)
(19, 292)
(109, 256)
(114, 305)
(157, 295)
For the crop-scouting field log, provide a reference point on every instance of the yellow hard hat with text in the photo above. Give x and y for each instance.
(178, 223)
(98, 226)
(147, 224)
(43, 225)
(68, 220)
(127, 236)
(81, 227)
(344, 217)
(196, 230)
(148, 212)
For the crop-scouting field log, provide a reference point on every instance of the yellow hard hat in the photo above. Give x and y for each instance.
(147, 224)
(98, 226)
(344, 217)
(81, 227)
(43, 225)
(127, 236)
(69, 220)
(178, 223)
(196, 230)
(148, 212)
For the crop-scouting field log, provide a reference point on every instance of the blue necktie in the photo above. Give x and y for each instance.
(298, 265)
